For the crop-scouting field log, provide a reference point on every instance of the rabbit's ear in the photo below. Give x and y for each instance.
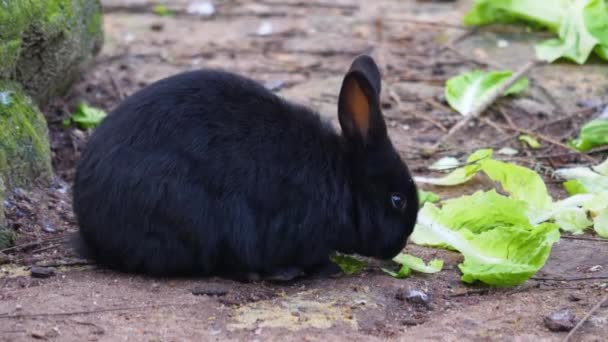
(358, 106)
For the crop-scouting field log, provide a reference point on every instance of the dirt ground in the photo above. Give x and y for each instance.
(301, 49)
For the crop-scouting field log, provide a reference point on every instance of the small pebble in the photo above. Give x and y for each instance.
(414, 296)
(574, 297)
(561, 320)
(48, 227)
(157, 27)
(595, 268)
(42, 272)
(203, 9)
(264, 29)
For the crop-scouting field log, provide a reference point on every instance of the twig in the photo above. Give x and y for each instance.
(582, 321)
(549, 123)
(551, 141)
(32, 244)
(468, 293)
(428, 23)
(566, 154)
(90, 312)
(570, 279)
(486, 102)
(116, 87)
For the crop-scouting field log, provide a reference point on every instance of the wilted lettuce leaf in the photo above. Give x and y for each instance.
(348, 264)
(86, 117)
(581, 25)
(465, 91)
(593, 134)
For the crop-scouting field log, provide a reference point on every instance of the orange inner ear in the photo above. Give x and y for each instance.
(358, 106)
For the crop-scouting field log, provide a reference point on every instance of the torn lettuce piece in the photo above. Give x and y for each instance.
(86, 117)
(497, 254)
(409, 262)
(348, 263)
(445, 164)
(591, 181)
(466, 91)
(403, 272)
(427, 196)
(531, 141)
(418, 264)
(508, 151)
(602, 168)
(462, 174)
(600, 224)
(574, 187)
(593, 134)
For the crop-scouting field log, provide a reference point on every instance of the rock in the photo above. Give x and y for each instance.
(414, 296)
(42, 272)
(45, 45)
(25, 156)
(562, 320)
(24, 147)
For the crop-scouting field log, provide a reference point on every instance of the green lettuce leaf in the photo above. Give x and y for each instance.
(502, 252)
(418, 264)
(465, 91)
(591, 181)
(574, 187)
(427, 196)
(593, 134)
(403, 272)
(462, 174)
(581, 25)
(546, 13)
(522, 183)
(600, 224)
(576, 40)
(410, 262)
(348, 263)
(531, 141)
(86, 117)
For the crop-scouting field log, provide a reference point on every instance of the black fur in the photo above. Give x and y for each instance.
(209, 173)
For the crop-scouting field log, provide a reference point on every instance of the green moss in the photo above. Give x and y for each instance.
(44, 45)
(24, 147)
(2, 191)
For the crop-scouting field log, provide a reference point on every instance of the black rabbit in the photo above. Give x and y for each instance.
(209, 173)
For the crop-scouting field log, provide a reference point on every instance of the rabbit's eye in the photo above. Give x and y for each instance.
(398, 201)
